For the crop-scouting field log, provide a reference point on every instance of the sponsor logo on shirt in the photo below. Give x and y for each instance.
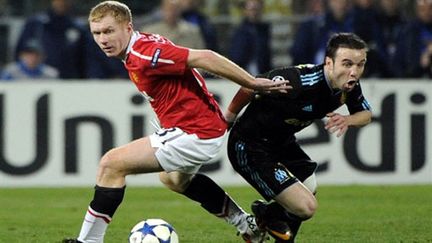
(296, 122)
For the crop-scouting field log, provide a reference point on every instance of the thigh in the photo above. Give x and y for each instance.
(259, 167)
(137, 156)
(269, 170)
(296, 161)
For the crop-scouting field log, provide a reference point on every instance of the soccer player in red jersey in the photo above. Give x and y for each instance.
(192, 125)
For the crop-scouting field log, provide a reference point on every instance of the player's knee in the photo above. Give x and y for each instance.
(109, 162)
(308, 208)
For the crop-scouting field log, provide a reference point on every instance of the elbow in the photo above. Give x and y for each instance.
(209, 58)
(201, 58)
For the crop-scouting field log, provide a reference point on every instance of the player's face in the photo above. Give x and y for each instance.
(346, 68)
(111, 36)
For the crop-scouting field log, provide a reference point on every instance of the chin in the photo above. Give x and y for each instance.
(110, 54)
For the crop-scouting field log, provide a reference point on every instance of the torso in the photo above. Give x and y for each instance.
(278, 118)
(177, 93)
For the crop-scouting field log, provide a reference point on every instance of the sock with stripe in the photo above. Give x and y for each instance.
(99, 214)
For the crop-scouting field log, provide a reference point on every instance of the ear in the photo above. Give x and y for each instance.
(328, 61)
(130, 27)
(328, 64)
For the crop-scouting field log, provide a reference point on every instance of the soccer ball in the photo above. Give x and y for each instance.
(153, 231)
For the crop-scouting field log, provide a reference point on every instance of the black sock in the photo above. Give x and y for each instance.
(106, 200)
(204, 190)
(294, 222)
(275, 210)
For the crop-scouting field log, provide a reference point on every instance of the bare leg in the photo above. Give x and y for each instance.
(132, 158)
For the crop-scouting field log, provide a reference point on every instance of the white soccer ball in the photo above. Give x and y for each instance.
(153, 231)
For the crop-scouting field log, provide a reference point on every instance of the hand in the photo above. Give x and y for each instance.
(336, 122)
(265, 85)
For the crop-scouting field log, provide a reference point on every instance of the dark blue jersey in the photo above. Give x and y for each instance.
(276, 118)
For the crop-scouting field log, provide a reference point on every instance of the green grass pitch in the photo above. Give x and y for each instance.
(345, 214)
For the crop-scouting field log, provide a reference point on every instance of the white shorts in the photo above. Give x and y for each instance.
(179, 151)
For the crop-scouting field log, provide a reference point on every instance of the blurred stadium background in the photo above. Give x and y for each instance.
(284, 16)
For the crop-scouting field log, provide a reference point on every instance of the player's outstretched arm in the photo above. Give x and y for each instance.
(221, 66)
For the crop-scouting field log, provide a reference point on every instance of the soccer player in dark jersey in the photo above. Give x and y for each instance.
(192, 126)
(262, 145)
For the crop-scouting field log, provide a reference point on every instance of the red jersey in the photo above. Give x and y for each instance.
(177, 94)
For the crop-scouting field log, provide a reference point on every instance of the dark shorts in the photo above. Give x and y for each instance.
(269, 169)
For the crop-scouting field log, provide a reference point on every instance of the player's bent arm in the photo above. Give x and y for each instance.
(360, 118)
(219, 65)
(222, 66)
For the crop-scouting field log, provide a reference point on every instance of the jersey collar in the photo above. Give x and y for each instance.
(135, 36)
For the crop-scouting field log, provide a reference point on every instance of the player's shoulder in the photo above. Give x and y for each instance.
(290, 73)
(146, 43)
(310, 75)
(305, 69)
(281, 73)
(295, 72)
(148, 38)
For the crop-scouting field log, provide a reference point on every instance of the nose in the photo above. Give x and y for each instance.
(354, 72)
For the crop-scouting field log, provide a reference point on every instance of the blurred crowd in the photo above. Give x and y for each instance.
(57, 44)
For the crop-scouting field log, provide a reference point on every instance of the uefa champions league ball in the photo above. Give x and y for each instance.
(153, 231)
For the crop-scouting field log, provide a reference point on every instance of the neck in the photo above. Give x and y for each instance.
(327, 77)
(329, 80)
(123, 54)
